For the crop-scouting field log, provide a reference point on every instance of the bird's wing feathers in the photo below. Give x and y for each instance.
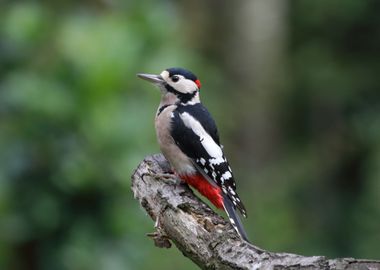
(195, 133)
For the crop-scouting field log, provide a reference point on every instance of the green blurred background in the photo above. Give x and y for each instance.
(293, 85)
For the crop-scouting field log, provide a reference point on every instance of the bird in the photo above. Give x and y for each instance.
(188, 138)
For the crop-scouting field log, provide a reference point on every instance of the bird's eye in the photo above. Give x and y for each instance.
(175, 78)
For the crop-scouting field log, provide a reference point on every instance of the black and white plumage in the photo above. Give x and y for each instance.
(195, 133)
(189, 139)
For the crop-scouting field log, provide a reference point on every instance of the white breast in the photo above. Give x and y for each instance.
(177, 159)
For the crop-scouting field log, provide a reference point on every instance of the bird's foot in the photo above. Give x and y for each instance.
(167, 177)
(159, 236)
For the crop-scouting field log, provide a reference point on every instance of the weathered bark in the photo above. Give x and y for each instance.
(204, 236)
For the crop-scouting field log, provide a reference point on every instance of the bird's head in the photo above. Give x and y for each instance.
(178, 81)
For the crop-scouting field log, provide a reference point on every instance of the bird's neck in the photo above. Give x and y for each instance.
(171, 99)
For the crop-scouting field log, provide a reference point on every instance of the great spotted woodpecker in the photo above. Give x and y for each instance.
(189, 140)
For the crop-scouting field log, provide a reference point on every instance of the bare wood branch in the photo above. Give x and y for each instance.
(204, 236)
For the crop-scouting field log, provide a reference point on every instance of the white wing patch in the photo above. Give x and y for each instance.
(212, 148)
(203, 161)
(227, 175)
(217, 160)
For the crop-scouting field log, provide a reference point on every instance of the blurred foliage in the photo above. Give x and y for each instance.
(75, 122)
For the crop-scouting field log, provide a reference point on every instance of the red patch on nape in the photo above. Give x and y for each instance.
(211, 192)
(198, 83)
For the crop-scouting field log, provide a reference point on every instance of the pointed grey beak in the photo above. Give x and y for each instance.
(156, 79)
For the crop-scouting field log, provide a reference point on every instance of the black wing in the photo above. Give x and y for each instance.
(195, 133)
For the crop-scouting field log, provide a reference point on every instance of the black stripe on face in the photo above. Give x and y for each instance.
(183, 97)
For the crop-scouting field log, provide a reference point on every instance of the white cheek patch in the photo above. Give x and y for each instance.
(211, 147)
(186, 86)
(183, 85)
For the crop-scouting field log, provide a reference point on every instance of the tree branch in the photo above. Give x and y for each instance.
(205, 237)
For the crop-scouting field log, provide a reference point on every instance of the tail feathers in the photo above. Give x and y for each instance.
(234, 197)
(234, 217)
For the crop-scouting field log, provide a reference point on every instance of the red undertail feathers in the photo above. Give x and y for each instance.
(211, 192)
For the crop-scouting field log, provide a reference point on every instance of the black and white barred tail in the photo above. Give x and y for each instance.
(234, 217)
